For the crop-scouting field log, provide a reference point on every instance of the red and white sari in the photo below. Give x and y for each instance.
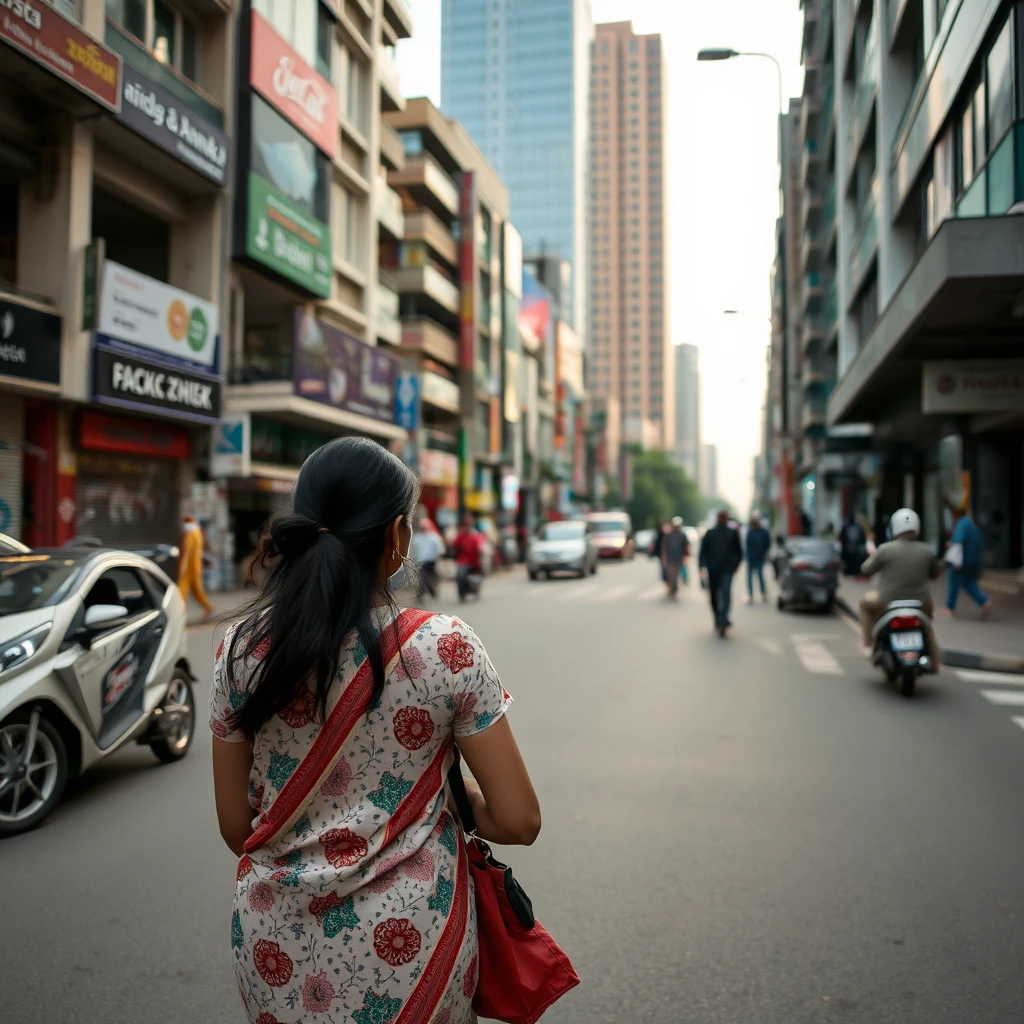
(353, 900)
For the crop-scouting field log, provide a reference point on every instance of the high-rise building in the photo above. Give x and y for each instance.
(515, 74)
(630, 352)
(709, 470)
(688, 434)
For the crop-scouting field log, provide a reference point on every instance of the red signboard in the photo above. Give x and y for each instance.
(101, 432)
(60, 46)
(292, 87)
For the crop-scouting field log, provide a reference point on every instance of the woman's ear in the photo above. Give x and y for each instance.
(395, 534)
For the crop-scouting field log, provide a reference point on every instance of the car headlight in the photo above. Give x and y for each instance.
(20, 649)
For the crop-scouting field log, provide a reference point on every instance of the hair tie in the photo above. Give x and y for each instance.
(322, 529)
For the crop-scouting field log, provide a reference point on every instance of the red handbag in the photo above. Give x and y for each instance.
(522, 969)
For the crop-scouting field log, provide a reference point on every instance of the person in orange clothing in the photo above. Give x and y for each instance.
(190, 567)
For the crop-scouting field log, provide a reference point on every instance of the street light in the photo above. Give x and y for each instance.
(723, 53)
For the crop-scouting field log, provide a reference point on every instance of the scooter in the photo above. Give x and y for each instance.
(899, 644)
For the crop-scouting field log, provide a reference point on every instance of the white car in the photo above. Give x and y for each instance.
(93, 655)
(566, 546)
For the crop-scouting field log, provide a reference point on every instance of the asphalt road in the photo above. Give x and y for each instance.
(748, 830)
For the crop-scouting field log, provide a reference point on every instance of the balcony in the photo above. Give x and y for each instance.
(810, 249)
(810, 115)
(811, 20)
(424, 177)
(865, 240)
(423, 226)
(813, 203)
(391, 97)
(814, 373)
(812, 331)
(813, 415)
(389, 327)
(425, 280)
(397, 15)
(392, 152)
(428, 337)
(389, 210)
(810, 163)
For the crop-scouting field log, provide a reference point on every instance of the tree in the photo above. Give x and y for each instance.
(661, 490)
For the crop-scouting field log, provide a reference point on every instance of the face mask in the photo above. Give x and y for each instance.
(397, 579)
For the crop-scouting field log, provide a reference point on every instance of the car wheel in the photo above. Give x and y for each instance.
(176, 720)
(532, 573)
(780, 604)
(33, 771)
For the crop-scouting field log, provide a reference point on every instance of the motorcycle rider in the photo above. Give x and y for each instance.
(904, 566)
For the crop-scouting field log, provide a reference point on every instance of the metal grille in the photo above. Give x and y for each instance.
(12, 440)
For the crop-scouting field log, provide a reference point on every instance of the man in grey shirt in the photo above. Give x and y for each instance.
(674, 548)
(904, 567)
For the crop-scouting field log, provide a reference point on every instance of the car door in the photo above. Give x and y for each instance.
(112, 666)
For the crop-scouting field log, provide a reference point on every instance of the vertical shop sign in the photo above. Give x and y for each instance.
(467, 273)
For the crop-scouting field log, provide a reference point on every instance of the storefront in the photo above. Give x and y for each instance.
(30, 364)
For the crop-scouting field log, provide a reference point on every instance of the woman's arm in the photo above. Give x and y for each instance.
(503, 799)
(232, 763)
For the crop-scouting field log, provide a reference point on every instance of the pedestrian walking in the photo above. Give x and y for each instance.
(333, 716)
(658, 547)
(674, 549)
(190, 566)
(757, 545)
(427, 548)
(467, 548)
(720, 556)
(965, 561)
(853, 546)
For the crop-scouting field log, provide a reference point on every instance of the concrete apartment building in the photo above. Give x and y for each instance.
(115, 165)
(927, 107)
(516, 75)
(687, 447)
(630, 355)
(313, 332)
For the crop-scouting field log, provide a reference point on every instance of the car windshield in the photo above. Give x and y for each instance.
(33, 581)
(810, 546)
(608, 525)
(561, 531)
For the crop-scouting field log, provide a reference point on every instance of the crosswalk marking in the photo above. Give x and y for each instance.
(815, 656)
(1008, 698)
(973, 675)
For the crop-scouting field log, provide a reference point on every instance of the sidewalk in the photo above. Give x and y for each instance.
(224, 603)
(967, 641)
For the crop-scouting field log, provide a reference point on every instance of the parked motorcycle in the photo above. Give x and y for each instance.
(899, 644)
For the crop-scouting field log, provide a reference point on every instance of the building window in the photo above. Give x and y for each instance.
(324, 41)
(168, 34)
(999, 73)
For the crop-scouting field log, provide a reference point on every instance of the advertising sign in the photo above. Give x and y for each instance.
(100, 432)
(334, 368)
(439, 469)
(290, 242)
(407, 401)
(984, 385)
(569, 357)
(146, 312)
(513, 260)
(158, 115)
(231, 446)
(467, 273)
(286, 81)
(29, 343)
(60, 46)
(127, 380)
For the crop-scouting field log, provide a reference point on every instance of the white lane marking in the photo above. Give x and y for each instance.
(577, 590)
(799, 638)
(771, 646)
(975, 675)
(815, 657)
(1019, 719)
(1009, 698)
(616, 592)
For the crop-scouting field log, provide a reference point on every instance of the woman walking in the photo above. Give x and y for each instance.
(334, 717)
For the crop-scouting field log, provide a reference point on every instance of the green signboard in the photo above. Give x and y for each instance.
(282, 237)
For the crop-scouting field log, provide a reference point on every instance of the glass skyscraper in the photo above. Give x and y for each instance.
(516, 74)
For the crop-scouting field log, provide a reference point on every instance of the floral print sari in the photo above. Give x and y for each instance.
(353, 900)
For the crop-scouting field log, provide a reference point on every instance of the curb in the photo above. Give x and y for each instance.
(1011, 663)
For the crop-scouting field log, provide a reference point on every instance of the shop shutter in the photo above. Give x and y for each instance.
(128, 500)
(12, 439)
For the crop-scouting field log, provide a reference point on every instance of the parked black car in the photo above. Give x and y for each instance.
(808, 572)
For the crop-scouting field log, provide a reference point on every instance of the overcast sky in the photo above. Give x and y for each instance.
(722, 182)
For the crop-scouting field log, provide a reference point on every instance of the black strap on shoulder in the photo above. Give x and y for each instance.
(459, 794)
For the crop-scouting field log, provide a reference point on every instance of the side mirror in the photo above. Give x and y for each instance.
(101, 616)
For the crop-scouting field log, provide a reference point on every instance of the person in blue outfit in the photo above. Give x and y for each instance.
(758, 543)
(965, 557)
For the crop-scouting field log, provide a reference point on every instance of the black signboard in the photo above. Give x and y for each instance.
(122, 378)
(158, 115)
(29, 343)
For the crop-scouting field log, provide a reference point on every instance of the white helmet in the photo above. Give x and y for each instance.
(905, 520)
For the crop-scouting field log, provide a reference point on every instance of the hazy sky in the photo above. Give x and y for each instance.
(722, 183)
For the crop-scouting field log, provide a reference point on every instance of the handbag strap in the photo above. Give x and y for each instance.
(458, 787)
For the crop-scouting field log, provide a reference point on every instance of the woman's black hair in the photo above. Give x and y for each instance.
(319, 563)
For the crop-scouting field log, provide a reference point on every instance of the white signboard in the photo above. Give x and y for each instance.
(146, 312)
(983, 385)
(231, 446)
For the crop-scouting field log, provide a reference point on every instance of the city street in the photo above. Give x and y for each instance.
(746, 830)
